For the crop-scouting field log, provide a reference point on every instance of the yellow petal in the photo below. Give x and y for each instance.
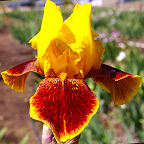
(67, 46)
(94, 34)
(34, 40)
(78, 36)
(98, 52)
(51, 24)
(67, 63)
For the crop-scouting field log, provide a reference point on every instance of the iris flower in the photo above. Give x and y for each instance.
(67, 54)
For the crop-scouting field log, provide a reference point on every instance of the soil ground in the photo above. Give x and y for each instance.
(14, 106)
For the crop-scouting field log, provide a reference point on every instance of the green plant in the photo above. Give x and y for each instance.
(1, 21)
(2, 132)
(25, 139)
(25, 31)
(95, 133)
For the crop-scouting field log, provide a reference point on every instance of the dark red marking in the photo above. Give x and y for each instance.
(16, 76)
(108, 72)
(29, 66)
(122, 86)
(67, 105)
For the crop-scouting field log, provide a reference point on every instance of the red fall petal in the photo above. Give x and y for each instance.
(122, 86)
(65, 106)
(16, 76)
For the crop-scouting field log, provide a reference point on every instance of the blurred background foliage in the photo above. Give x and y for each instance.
(3, 132)
(111, 124)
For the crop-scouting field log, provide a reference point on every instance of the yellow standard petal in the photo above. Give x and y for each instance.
(80, 26)
(67, 47)
(51, 24)
(72, 50)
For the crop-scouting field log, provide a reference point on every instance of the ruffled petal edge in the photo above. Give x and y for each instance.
(16, 76)
(121, 85)
(65, 106)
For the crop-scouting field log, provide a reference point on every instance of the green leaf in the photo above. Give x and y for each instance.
(2, 132)
(25, 139)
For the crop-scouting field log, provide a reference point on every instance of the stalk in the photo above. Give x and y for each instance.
(48, 137)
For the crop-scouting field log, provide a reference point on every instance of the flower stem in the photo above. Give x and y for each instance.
(48, 137)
